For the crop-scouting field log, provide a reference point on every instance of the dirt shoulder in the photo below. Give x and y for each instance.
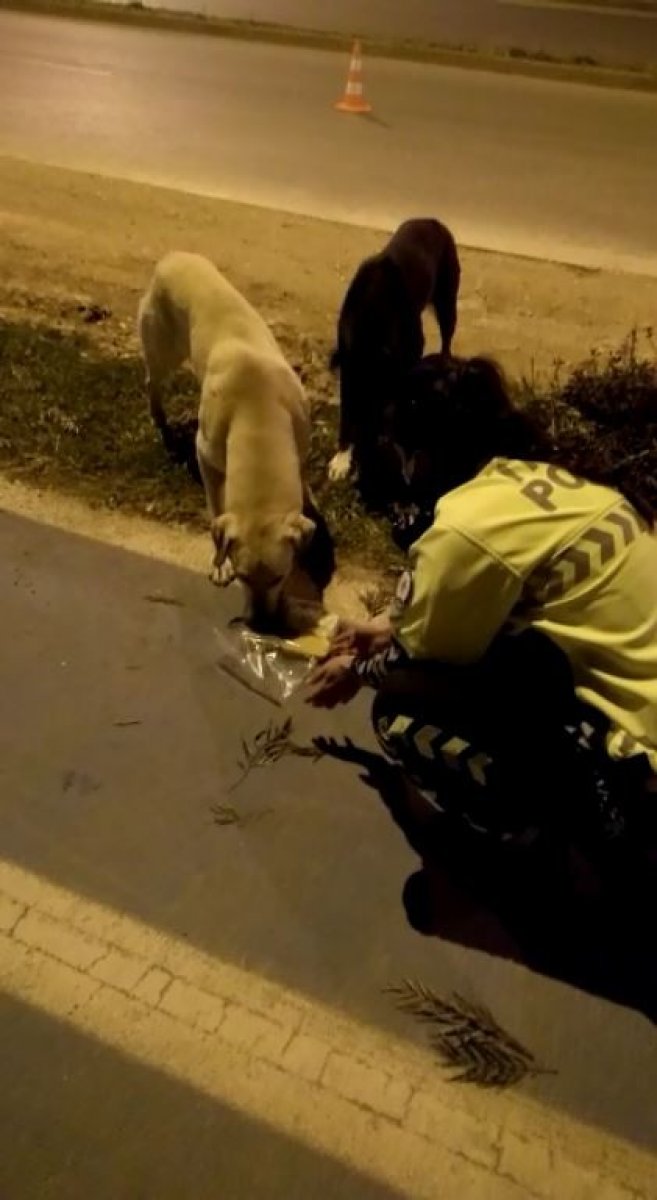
(515, 61)
(72, 411)
(630, 6)
(69, 237)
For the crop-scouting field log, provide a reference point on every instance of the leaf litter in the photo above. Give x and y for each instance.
(467, 1038)
(269, 745)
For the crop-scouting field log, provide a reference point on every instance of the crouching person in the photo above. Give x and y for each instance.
(516, 673)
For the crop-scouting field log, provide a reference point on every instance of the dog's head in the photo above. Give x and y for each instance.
(262, 554)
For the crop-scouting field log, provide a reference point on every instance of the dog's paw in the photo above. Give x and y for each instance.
(223, 575)
(340, 465)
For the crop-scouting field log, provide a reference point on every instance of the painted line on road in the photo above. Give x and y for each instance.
(567, 6)
(55, 65)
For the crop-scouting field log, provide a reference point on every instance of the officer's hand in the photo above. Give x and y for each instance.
(332, 682)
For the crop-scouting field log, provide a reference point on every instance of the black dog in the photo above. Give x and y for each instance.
(380, 339)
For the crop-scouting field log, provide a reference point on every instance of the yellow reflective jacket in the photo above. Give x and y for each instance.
(527, 544)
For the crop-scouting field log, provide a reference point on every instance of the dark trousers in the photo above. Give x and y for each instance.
(505, 746)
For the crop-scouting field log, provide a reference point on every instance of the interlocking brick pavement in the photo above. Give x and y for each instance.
(338, 1086)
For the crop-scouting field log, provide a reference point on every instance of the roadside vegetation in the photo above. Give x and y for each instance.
(603, 415)
(73, 417)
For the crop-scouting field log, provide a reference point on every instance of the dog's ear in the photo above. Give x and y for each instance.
(223, 531)
(299, 529)
(334, 360)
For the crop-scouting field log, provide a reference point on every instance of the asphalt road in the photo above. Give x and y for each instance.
(619, 38)
(551, 170)
(119, 733)
(110, 1127)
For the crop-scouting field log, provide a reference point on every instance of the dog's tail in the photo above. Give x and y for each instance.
(156, 407)
(446, 291)
(156, 329)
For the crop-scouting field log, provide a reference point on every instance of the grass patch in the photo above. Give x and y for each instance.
(602, 417)
(73, 417)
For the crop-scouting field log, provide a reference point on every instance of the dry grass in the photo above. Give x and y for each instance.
(73, 417)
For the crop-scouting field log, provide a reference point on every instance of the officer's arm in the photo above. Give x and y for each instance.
(460, 598)
(372, 671)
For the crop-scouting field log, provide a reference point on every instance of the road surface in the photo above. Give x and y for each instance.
(552, 170)
(620, 38)
(119, 735)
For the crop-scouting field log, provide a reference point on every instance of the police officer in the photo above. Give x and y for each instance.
(516, 672)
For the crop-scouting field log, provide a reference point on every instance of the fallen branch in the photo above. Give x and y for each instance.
(467, 1038)
(268, 746)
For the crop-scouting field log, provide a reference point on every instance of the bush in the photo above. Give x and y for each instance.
(602, 420)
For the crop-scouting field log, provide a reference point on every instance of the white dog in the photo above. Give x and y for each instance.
(253, 422)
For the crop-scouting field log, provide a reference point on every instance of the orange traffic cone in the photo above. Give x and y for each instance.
(353, 100)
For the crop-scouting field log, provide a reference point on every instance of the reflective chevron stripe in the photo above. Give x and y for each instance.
(625, 523)
(573, 567)
(456, 753)
(452, 750)
(604, 540)
(595, 548)
(398, 727)
(425, 739)
(460, 755)
(477, 764)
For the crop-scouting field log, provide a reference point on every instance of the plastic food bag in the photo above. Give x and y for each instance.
(271, 666)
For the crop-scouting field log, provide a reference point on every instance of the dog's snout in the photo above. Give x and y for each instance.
(264, 619)
(263, 610)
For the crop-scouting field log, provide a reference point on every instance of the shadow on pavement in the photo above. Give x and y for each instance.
(542, 906)
(121, 736)
(111, 1128)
